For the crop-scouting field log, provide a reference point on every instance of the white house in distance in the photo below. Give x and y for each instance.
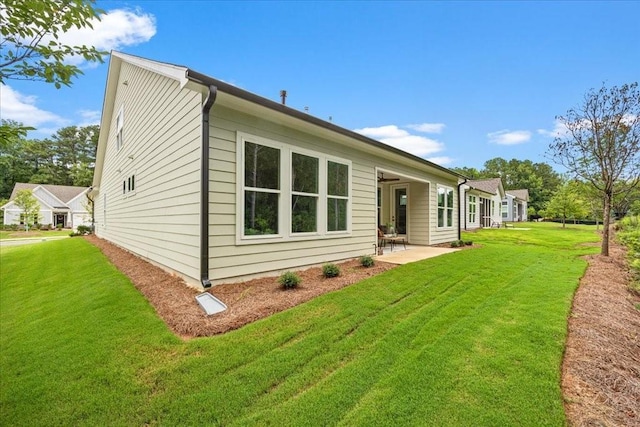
(514, 205)
(218, 184)
(60, 205)
(482, 201)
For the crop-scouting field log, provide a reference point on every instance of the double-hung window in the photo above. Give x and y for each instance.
(337, 196)
(304, 193)
(290, 193)
(445, 207)
(472, 209)
(261, 189)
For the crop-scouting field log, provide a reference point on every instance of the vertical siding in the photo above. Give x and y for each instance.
(162, 134)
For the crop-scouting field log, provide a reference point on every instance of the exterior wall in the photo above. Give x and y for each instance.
(47, 198)
(229, 260)
(12, 214)
(418, 214)
(159, 220)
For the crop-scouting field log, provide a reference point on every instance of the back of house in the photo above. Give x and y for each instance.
(218, 184)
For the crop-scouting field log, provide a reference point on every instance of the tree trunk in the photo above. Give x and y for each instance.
(606, 219)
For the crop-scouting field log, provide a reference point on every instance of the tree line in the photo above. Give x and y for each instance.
(66, 158)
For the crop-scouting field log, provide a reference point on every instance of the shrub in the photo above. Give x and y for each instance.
(457, 243)
(330, 270)
(366, 261)
(468, 243)
(83, 229)
(289, 280)
(59, 227)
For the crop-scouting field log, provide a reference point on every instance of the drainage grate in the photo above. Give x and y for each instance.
(210, 304)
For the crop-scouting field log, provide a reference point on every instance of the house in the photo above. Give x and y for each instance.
(482, 200)
(514, 205)
(60, 205)
(218, 184)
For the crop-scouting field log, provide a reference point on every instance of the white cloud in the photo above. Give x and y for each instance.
(442, 160)
(399, 138)
(428, 127)
(23, 109)
(89, 117)
(559, 130)
(116, 29)
(507, 137)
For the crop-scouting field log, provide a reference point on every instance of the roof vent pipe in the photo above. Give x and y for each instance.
(283, 95)
(204, 188)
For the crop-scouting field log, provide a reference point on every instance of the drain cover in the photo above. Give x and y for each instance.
(210, 304)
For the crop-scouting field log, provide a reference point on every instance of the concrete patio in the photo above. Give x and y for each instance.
(412, 253)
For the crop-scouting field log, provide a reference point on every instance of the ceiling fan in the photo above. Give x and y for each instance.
(381, 178)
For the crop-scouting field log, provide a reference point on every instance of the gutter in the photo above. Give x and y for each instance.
(204, 188)
(459, 208)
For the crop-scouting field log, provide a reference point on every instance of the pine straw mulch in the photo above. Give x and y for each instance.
(247, 302)
(601, 367)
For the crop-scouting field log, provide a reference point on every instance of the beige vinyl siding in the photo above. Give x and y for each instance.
(161, 143)
(230, 261)
(418, 215)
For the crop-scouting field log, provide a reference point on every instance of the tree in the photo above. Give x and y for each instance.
(566, 203)
(30, 47)
(30, 207)
(602, 145)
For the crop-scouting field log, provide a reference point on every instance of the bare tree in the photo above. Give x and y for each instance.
(602, 144)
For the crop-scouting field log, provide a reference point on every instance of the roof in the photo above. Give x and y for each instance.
(520, 194)
(184, 75)
(490, 186)
(64, 193)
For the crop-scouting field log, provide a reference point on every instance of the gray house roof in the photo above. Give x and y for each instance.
(64, 193)
(490, 186)
(520, 194)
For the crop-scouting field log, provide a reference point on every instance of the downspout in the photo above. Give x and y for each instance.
(459, 208)
(204, 189)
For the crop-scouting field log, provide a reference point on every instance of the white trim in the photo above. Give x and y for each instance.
(285, 192)
(446, 207)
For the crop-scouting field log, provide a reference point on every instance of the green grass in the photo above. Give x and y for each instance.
(4, 234)
(470, 338)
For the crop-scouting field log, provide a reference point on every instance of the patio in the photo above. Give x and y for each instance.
(412, 253)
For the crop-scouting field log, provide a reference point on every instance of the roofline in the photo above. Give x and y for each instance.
(272, 105)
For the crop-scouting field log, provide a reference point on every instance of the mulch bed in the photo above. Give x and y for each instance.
(175, 303)
(601, 367)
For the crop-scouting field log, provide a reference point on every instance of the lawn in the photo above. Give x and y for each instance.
(470, 338)
(5, 234)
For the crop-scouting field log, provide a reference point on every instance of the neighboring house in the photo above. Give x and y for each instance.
(218, 184)
(482, 201)
(514, 205)
(60, 205)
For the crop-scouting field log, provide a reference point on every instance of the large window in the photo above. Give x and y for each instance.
(261, 189)
(472, 208)
(505, 210)
(290, 193)
(337, 196)
(304, 193)
(445, 207)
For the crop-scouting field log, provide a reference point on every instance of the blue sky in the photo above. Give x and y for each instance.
(455, 82)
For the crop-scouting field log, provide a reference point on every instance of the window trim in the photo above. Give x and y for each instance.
(284, 204)
(446, 208)
(120, 128)
(472, 203)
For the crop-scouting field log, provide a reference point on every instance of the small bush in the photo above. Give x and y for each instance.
(468, 243)
(59, 227)
(83, 229)
(289, 280)
(330, 270)
(366, 261)
(457, 243)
